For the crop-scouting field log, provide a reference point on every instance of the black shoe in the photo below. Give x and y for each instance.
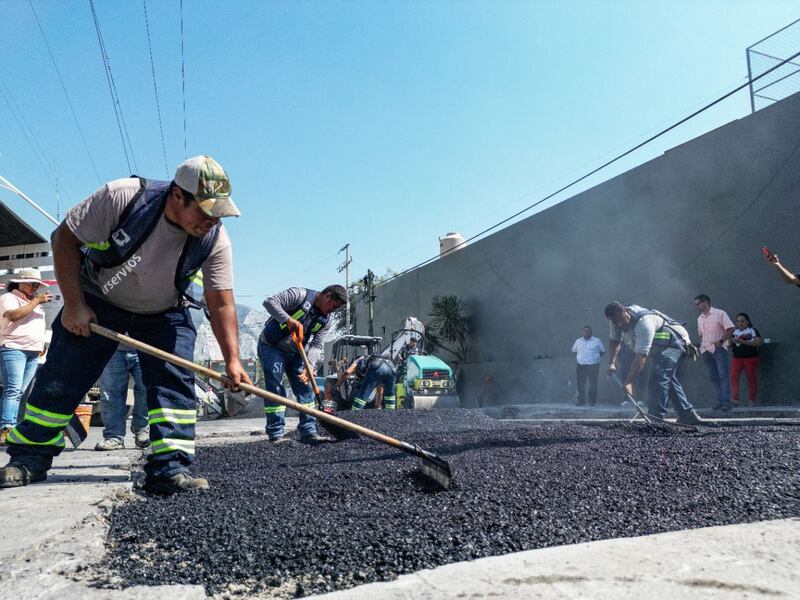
(17, 474)
(718, 406)
(315, 439)
(726, 407)
(180, 482)
(579, 403)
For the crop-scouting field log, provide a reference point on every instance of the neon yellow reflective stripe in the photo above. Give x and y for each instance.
(15, 437)
(309, 403)
(173, 445)
(99, 245)
(179, 416)
(359, 402)
(274, 409)
(297, 314)
(46, 418)
(197, 278)
(662, 335)
(316, 328)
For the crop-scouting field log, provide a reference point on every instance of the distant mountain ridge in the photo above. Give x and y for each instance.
(251, 322)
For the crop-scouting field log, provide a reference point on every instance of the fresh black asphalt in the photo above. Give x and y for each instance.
(297, 520)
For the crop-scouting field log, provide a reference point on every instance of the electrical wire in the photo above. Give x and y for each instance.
(66, 94)
(155, 89)
(112, 88)
(593, 171)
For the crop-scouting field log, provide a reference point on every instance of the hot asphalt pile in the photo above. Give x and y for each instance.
(297, 520)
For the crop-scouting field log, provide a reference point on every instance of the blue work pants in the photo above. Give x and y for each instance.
(663, 380)
(276, 363)
(74, 363)
(382, 375)
(114, 395)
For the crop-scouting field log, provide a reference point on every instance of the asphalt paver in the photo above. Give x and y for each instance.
(295, 520)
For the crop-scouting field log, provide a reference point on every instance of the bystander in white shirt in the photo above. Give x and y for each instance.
(588, 350)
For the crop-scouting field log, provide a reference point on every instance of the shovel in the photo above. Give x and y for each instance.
(436, 469)
(641, 412)
(334, 430)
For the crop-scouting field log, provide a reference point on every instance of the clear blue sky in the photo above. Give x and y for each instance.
(383, 124)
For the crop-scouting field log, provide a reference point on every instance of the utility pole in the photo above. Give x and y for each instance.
(369, 279)
(346, 268)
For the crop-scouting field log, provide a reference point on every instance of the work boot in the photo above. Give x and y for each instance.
(315, 439)
(180, 482)
(17, 474)
(142, 438)
(4, 434)
(690, 418)
(109, 444)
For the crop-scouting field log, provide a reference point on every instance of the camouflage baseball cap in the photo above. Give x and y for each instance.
(206, 180)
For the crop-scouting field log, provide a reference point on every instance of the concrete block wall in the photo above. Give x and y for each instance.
(691, 221)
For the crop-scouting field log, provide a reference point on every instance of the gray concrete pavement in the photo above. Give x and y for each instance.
(55, 529)
(758, 560)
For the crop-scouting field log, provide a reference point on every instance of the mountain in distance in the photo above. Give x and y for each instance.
(251, 323)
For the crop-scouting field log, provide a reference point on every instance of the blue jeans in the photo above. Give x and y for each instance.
(718, 365)
(75, 363)
(275, 363)
(114, 394)
(663, 379)
(17, 368)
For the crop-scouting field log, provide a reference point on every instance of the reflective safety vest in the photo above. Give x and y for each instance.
(305, 313)
(672, 334)
(135, 225)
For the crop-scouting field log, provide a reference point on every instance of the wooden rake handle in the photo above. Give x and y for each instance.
(250, 389)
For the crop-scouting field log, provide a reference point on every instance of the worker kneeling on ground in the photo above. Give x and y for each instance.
(666, 342)
(377, 374)
(129, 258)
(302, 314)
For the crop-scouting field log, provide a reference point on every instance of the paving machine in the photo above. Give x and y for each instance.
(424, 380)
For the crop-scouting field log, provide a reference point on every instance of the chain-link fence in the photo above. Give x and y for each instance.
(766, 54)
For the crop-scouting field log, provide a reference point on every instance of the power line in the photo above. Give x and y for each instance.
(155, 88)
(26, 129)
(66, 94)
(112, 88)
(601, 167)
(183, 85)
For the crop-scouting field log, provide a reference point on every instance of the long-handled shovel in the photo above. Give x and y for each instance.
(336, 431)
(433, 467)
(648, 418)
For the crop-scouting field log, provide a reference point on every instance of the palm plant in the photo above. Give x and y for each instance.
(449, 328)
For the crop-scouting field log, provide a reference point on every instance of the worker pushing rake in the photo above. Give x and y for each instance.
(655, 337)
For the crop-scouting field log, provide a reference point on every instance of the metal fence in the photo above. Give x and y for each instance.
(764, 55)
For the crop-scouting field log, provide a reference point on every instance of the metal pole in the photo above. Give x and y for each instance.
(346, 268)
(750, 81)
(5, 183)
(371, 299)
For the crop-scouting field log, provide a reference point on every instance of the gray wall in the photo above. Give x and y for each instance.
(691, 221)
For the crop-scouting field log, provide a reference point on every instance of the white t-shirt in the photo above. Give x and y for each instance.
(146, 282)
(26, 333)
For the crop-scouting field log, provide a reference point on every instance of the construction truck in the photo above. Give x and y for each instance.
(423, 380)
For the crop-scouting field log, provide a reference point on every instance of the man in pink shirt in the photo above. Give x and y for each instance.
(716, 328)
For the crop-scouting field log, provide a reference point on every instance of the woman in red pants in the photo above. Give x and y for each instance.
(746, 343)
